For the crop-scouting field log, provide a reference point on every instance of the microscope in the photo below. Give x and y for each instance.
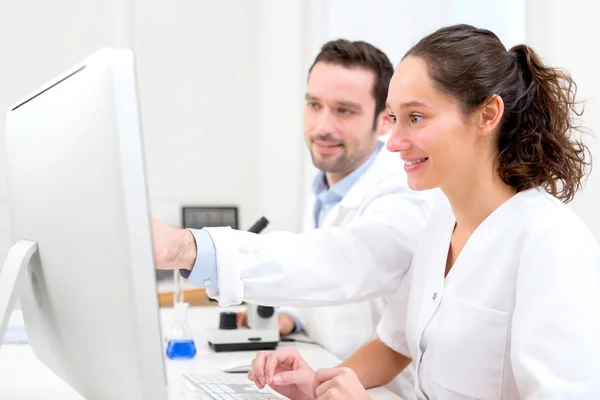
(262, 332)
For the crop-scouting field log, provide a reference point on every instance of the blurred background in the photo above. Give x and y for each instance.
(222, 83)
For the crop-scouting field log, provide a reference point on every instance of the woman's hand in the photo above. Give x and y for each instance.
(285, 371)
(338, 384)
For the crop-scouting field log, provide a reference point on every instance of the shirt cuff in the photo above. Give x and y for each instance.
(204, 273)
(298, 328)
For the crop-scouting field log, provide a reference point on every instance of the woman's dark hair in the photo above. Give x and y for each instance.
(535, 147)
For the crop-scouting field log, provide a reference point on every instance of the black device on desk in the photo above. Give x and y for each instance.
(195, 217)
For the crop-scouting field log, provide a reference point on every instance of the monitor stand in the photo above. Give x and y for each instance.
(10, 276)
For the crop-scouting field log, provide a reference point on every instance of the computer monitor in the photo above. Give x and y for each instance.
(80, 222)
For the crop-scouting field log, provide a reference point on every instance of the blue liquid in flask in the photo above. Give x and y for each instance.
(181, 349)
(181, 346)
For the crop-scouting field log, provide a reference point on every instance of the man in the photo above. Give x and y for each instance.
(366, 217)
(343, 118)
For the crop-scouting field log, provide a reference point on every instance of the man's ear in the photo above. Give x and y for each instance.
(384, 123)
(489, 115)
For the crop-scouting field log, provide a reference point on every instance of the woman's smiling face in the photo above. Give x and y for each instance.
(439, 145)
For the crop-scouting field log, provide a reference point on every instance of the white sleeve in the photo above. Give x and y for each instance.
(555, 351)
(391, 329)
(325, 266)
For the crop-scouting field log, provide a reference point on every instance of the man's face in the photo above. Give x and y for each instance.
(338, 117)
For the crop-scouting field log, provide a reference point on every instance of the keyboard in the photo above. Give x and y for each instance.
(228, 387)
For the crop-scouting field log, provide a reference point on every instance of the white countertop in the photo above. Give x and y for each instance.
(23, 377)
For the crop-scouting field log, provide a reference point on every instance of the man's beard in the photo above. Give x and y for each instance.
(340, 164)
(326, 164)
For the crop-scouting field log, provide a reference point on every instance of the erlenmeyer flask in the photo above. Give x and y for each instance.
(181, 342)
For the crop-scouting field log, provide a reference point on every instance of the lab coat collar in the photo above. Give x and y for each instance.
(384, 165)
(341, 188)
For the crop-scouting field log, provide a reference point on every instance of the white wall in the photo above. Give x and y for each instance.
(222, 88)
(395, 25)
(566, 34)
(283, 67)
(197, 81)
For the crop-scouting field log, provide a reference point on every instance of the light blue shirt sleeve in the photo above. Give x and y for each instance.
(204, 274)
(298, 328)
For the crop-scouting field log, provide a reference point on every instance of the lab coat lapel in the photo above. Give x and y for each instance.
(427, 283)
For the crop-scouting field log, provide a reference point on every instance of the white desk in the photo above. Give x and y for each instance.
(23, 377)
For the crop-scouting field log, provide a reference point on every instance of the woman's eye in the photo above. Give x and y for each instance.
(415, 119)
(393, 117)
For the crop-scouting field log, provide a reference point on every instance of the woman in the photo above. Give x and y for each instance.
(504, 298)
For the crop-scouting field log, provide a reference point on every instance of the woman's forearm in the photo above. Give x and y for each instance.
(375, 364)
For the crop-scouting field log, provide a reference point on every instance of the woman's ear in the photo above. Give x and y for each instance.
(489, 115)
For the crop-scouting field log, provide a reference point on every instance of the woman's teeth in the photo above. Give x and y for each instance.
(416, 161)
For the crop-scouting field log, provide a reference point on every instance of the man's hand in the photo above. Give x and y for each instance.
(337, 384)
(285, 322)
(285, 371)
(173, 248)
(242, 319)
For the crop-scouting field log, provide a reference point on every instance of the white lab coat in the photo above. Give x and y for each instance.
(366, 258)
(343, 329)
(517, 317)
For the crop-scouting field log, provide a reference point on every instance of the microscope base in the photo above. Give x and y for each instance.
(249, 346)
(243, 339)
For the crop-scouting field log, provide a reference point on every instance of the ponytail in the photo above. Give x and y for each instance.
(535, 143)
